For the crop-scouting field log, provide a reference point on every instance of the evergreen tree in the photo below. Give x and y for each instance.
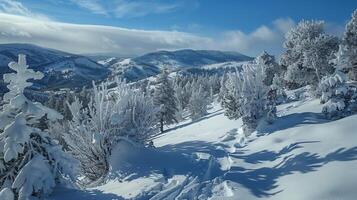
(164, 98)
(31, 161)
(350, 41)
(223, 89)
(271, 67)
(230, 100)
(338, 97)
(248, 97)
(198, 102)
(308, 51)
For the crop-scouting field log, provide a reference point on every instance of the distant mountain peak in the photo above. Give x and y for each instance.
(61, 69)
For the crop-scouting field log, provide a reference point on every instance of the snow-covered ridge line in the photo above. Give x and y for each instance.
(61, 69)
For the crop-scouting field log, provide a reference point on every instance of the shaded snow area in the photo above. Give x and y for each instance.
(300, 156)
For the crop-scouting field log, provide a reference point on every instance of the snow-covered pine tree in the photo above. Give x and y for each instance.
(247, 90)
(271, 67)
(138, 117)
(230, 98)
(181, 97)
(350, 41)
(223, 89)
(199, 101)
(338, 96)
(164, 97)
(308, 50)
(31, 162)
(211, 94)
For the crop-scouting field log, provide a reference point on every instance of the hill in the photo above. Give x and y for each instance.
(61, 69)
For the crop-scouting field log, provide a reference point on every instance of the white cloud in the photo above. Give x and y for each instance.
(20, 25)
(17, 8)
(264, 38)
(284, 24)
(92, 38)
(127, 8)
(106, 39)
(91, 5)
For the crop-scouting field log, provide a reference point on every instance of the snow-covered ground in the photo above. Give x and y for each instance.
(300, 156)
(231, 64)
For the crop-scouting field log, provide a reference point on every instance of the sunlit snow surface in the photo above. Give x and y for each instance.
(300, 156)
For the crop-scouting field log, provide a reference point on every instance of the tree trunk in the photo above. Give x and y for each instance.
(161, 125)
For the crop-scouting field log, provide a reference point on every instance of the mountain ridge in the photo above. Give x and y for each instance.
(61, 69)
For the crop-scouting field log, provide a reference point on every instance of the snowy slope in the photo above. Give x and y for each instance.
(225, 65)
(61, 69)
(189, 58)
(150, 64)
(300, 156)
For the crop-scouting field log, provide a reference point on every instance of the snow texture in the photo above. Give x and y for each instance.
(212, 159)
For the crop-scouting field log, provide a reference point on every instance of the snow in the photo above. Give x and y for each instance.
(7, 194)
(226, 65)
(61, 69)
(300, 156)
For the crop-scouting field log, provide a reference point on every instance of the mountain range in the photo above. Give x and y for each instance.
(66, 70)
(61, 69)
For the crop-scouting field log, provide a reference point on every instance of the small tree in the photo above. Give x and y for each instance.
(339, 98)
(230, 98)
(31, 162)
(164, 97)
(111, 115)
(270, 66)
(198, 102)
(251, 96)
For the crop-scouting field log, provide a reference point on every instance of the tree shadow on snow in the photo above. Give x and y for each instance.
(72, 194)
(291, 121)
(168, 160)
(263, 180)
(266, 155)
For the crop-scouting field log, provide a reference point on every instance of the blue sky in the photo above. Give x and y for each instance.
(248, 26)
(192, 15)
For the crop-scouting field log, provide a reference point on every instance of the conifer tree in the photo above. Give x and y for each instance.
(199, 101)
(164, 98)
(338, 97)
(31, 161)
(350, 43)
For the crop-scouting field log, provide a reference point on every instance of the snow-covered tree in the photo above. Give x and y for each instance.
(223, 89)
(164, 97)
(31, 161)
(271, 67)
(248, 97)
(308, 51)
(199, 101)
(138, 118)
(317, 52)
(338, 96)
(229, 99)
(111, 116)
(182, 96)
(350, 41)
